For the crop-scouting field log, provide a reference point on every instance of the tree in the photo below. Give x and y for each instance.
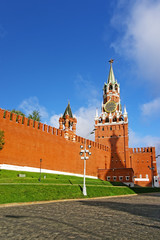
(35, 116)
(1, 139)
(18, 112)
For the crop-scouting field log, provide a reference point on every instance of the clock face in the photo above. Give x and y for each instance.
(110, 106)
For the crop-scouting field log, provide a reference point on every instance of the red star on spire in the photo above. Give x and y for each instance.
(111, 61)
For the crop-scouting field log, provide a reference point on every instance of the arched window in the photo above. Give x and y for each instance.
(110, 87)
(100, 120)
(107, 120)
(121, 118)
(116, 87)
(70, 124)
(114, 119)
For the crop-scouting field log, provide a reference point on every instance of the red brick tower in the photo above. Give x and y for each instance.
(112, 125)
(68, 123)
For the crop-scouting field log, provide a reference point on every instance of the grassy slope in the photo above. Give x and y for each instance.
(16, 189)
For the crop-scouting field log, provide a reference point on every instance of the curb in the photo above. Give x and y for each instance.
(61, 200)
(70, 200)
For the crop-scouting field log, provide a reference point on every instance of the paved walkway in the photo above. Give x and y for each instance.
(132, 217)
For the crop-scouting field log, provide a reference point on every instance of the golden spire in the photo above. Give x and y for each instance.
(111, 78)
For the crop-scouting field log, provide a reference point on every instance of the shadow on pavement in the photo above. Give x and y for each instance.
(145, 210)
(146, 225)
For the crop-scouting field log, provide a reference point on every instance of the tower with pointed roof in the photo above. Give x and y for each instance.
(67, 123)
(112, 124)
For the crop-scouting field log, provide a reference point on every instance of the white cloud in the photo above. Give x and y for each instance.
(85, 121)
(152, 108)
(54, 120)
(136, 140)
(139, 36)
(31, 104)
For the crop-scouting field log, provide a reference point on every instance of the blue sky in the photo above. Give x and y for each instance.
(55, 51)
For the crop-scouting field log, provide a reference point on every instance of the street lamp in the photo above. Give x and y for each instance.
(84, 157)
(152, 169)
(40, 169)
(84, 151)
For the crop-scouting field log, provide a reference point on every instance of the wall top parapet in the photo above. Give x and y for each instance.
(31, 124)
(142, 150)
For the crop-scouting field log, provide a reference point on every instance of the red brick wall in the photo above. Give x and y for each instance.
(116, 138)
(25, 145)
(140, 159)
(125, 172)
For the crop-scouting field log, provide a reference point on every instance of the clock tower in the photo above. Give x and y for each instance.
(112, 124)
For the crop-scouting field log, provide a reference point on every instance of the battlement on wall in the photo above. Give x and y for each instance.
(20, 120)
(142, 150)
(8, 116)
(82, 140)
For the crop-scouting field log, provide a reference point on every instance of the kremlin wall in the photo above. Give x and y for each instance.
(28, 141)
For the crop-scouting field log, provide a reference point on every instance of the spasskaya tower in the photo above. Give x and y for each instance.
(112, 124)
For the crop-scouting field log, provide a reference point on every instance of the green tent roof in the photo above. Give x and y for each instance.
(68, 111)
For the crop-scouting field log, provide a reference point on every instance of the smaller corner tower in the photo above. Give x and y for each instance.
(112, 124)
(67, 123)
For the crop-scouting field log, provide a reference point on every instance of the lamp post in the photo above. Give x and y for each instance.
(40, 169)
(84, 151)
(84, 157)
(152, 169)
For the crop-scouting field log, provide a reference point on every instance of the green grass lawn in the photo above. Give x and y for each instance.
(12, 177)
(54, 186)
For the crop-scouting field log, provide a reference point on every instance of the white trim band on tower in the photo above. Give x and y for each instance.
(112, 123)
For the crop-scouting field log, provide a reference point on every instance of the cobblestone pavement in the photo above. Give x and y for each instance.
(131, 217)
